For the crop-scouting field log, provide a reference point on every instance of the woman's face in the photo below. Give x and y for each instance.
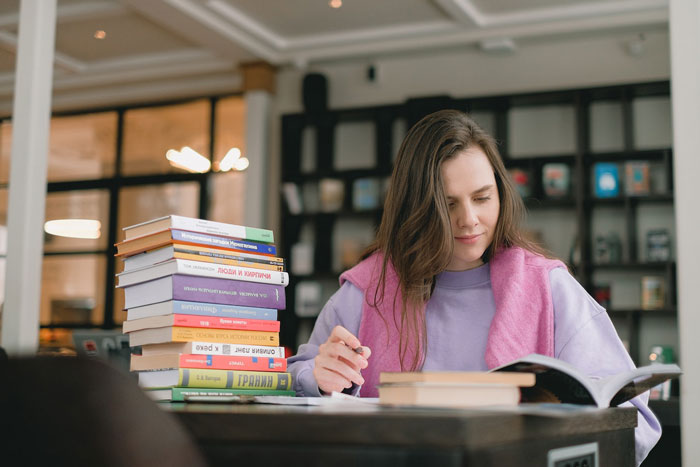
(472, 199)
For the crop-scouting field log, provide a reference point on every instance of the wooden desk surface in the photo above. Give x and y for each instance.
(314, 435)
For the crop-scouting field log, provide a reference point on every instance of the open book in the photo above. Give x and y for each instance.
(557, 380)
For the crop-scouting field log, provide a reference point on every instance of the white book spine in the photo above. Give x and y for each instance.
(202, 225)
(212, 348)
(200, 268)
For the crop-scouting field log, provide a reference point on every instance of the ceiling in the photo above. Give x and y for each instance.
(156, 49)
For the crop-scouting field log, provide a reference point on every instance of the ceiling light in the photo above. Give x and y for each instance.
(229, 159)
(74, 228)
(99, 34)
(335, 3)
(188, 159)
(241, 164)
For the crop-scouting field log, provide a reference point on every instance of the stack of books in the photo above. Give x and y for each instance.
(201, 299)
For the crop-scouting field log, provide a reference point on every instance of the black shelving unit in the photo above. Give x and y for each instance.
(581, 201)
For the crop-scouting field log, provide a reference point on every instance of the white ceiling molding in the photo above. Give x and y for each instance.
(8, 41)
(239, 19)
(214, 22)
(74, 12)
(463, 11)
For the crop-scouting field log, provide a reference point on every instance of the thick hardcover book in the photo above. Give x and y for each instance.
(182, 334)
(201, 253)
(166, 237)
(199, 268)
(205, 290)
(453, 395)
(177, 307)
(557, 381)
(216, 362)
(213, 348)
(198, 225)
(212, 395)
(216, 379)
(196, 321)
(480, 377)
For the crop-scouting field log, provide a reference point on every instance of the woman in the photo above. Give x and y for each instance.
(451, 282)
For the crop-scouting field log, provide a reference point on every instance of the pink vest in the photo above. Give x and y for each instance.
(523, 322)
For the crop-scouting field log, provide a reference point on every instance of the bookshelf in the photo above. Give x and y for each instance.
(577, 128)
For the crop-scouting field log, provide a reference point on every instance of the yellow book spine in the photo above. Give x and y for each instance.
(233, 379)
(226, 336)
(230, 262)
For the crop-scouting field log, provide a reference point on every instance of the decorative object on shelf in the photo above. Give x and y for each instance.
(292, 196)
(658, 355)
(331, 194)
(637, 182)
(301, 259)
(607, 180)
(521, 180)
(608, 248)
(653, 296)
(366, 193)
(307, 298)
(658, 245)
(309, 197)
(556, 179)
(350, 252)
(601, 294)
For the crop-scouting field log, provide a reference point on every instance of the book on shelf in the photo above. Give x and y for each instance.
(212, 395)
(205, 290)
(366, 192)
(456, 389)
(213, 348)
(178, 307)
(199, 253)
(637, 179)
(196, 321)
(216, 362)
(198, 225)
(216, 379)
(187, 334)
(173, 236)
(558, 381)
(607, 180)
(202, 269)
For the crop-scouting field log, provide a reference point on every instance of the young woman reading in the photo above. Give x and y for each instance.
(451, 282)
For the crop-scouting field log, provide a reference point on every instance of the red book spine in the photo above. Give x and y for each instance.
(220, 322)
(227, 362)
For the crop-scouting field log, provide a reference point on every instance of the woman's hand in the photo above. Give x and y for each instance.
(337, 365)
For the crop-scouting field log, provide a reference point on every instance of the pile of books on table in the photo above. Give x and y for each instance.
(201, 299)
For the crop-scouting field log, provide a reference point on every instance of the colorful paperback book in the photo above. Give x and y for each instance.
(215, 379)
(217, 362)
(211, 395)
(184, 334)
(213, 348)
(201, 253)
(199, 268)
(196, 321)
(166, 237)
(198, 225)
(607, 180)
(177, 307)
(205, 290)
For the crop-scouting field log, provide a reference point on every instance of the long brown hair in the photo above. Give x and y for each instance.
(415, 233)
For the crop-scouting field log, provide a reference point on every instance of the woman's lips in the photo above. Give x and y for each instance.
(468, 239)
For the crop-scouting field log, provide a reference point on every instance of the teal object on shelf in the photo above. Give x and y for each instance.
(607, 180)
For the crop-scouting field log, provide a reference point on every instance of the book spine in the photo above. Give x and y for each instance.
(182, 394)
(220, 228)
(212, 309)
(223, 242)
(228, 292)
(200, 268)
(233, 260)
(225, 362)
(225, 336)
(234, 379)
(214, 348)
(217, 322)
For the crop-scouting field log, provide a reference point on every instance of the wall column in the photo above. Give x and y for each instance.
(31, 117)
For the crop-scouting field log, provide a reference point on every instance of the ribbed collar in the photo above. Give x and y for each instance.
(464, 279)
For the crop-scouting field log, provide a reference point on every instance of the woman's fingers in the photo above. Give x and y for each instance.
(340, 334)
(339, 361)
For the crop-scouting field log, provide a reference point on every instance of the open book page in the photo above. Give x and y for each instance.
(617, 389)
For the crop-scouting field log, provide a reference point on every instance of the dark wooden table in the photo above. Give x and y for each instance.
(268, 435)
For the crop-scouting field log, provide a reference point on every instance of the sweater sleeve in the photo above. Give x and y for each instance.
(585, 337)
(344, 308)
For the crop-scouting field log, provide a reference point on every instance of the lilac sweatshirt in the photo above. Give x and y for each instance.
(458, 316)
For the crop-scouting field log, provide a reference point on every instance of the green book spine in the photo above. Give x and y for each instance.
(233, 379)
(181, 394)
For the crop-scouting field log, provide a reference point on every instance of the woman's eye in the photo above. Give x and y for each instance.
(483, 198)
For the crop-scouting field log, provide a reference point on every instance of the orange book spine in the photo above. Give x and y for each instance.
(226, 362)
(219, 322)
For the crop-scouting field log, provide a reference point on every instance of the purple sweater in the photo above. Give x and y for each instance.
(458, 318)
